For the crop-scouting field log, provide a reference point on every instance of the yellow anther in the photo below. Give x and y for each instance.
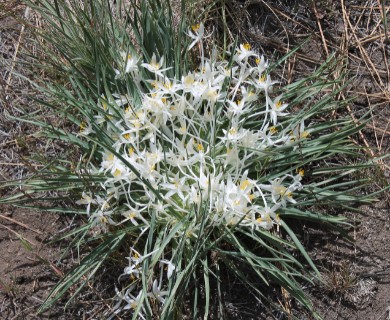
(273, 130)
(126, 136)
(262, 78)
(83, 126)
(246, 46)
(134, 304)
(305, 134)
(195, 27)
(233, 131)
(117, 173)
(244, 184)
(281, 190)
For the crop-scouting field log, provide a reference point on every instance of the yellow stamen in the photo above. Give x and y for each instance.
(233, 131)
(273, 130)
(244, 184)
(246, 46)
(188, 80)
(305, 134)
(83, 126)
(195, 27)
(281, 190)
(262, 78)
(200, 147)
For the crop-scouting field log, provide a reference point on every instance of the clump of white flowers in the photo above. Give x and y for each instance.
(188, 144)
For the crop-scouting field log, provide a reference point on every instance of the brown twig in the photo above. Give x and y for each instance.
(20, 224)
(17, 234)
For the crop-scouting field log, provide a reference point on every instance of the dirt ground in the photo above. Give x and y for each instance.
(357, 273)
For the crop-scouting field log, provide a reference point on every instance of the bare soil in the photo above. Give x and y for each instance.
(357, 273)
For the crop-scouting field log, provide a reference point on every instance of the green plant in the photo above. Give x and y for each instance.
(184, 156)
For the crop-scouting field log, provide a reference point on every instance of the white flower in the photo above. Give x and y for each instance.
(299, 132)
(171, 267)
(154, 66)
(101, 218)
(134, 214)
(86, 199)
(86, 128)
(178, 186)
(131, 301)
(244, 52)
(279, 192)
(261, 66)
(277, 108)
(130, 64)
(197, 34)
(236, 108)
(264, 83)
(157, 293)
